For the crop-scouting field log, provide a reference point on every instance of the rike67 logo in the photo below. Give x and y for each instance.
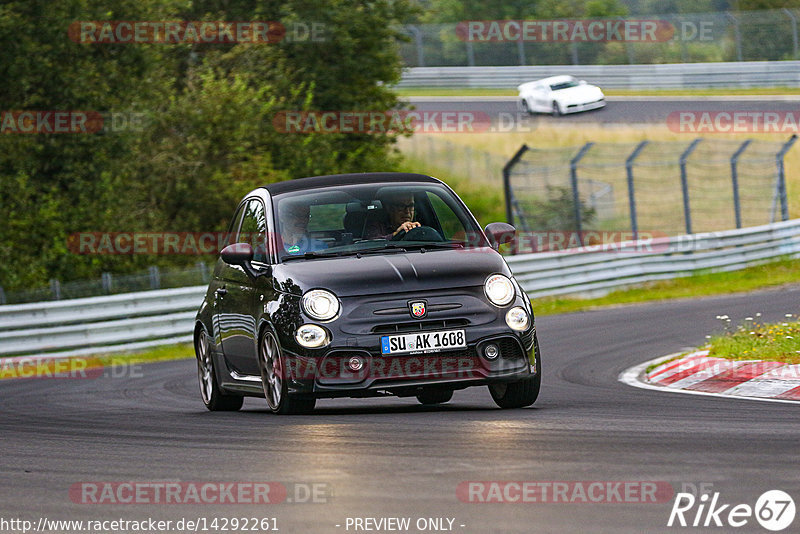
(774, 510)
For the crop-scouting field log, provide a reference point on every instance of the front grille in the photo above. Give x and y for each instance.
(417, 326)
(510, 349)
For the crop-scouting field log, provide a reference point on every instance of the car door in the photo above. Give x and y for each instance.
(237, 302)
(542, 97)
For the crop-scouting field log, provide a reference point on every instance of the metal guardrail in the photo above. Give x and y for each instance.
(137, 320)
(587, 271)
(661, 76)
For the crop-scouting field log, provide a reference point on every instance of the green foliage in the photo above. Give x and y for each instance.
(556, 212)
(209, 136)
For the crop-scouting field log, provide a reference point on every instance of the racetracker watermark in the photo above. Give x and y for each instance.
(743, 121)
(193, 32)
(203, 492)
(565, 492)
(565, 31)
(418, 363)
(400, 122)
(70, 122)
(73, 368)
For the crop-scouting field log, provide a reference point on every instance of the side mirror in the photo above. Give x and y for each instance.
(241, 254)
(237, 254)
(500, 233)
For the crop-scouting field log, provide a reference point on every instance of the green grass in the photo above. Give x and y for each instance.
(772, 274)
(479, 91)
(753, 340)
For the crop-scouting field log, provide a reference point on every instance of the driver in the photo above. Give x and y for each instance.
(400, 211)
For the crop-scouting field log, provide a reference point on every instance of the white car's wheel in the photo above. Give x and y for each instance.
(556, 109)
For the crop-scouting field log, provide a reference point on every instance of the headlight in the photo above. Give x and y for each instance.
(311, 336)
(517, 319)
(499, 289)
(320, 304)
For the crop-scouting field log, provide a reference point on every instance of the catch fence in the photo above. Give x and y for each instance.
(657, 188)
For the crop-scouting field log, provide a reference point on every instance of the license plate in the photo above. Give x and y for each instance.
(423, 342)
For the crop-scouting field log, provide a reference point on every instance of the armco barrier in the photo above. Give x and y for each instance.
(662, 76)
(137, 320)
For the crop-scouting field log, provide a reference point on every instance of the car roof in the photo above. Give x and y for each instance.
(556, 79)
(300, 184)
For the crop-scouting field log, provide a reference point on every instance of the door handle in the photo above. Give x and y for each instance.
(221, 292)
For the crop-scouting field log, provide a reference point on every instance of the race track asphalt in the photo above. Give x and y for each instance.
(391, 457)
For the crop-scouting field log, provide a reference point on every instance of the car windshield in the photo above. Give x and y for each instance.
(381, 218)
(563, 85)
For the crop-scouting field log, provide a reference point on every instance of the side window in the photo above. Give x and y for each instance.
(254, 229)
(233, 229)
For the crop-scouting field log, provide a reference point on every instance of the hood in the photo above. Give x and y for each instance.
(579, 94)
(391, 273)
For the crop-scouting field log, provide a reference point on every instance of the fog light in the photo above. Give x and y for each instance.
(311, 336)
(517, 319)
(355, 363)
(491, 351)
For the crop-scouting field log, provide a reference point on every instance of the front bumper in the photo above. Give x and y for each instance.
(588, 106)
(330, 375)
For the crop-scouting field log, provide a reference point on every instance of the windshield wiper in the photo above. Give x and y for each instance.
(435, 244)
(322, 254)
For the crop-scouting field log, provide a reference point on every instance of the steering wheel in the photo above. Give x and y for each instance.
(420, 233)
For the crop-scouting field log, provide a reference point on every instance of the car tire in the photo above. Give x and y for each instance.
(525, 107)
(556, 110)
(523, 392)
(212, 395)
(274, 373)
(435, 396)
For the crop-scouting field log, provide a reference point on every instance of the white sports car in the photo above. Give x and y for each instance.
(559, 95)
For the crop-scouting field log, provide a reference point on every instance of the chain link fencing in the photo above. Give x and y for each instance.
(658, 188)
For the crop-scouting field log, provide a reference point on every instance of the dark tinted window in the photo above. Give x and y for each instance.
(254, 229)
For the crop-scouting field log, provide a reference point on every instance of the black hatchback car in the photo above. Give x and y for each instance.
(362, 285)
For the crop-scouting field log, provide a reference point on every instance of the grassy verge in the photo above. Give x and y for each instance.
(479, 91)
(77, 365)
(705, 284)
(753, 340)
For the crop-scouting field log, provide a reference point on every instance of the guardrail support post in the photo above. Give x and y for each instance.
(782, 176)
(155, 277)
(687, 212)
(737, 207)
(55, 288)
(106, 281)
(507, 183)
(573, 178)
(631, 190)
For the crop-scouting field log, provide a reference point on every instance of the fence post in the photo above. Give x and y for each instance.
(203, 268)
(521, 50)
(106, 281)
(2, 296)
(574, 50)
(507, 182)
(631, 190)
(687, 212)
(782, 176)
(55, 288)
(155, 277)
(737, 207)
(794, 30)
(468, 160)
(470, 54)
(418, 41)
(737, 36)
(573, 178)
